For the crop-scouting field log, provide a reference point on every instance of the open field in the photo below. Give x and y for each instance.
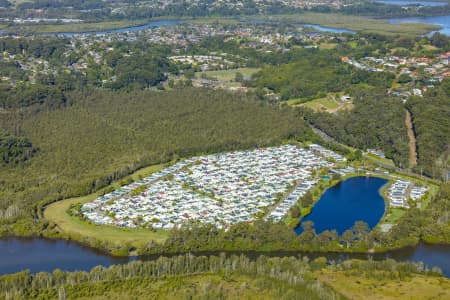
(329, 104)
(73, 226)
(327, 46)
(360, 24)
(381, 160)
(361, 287)
(394, 215)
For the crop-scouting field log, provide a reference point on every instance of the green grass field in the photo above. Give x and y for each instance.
(361, 287)
(75, 227)
(328, 104)
(327, 46)
(382, 160)
(322, 104)
(393, 215)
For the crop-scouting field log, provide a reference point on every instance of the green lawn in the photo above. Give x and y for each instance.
(330, 104)
(327, 46)
(322, 104)
(379, 159)
(393, 215)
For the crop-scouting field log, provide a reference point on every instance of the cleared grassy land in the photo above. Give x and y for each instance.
(327, 46)
(74, 227)
(323, 104)
(328, 104)
(394, 215)
(360, 287)
(360, 24)
(382, 160)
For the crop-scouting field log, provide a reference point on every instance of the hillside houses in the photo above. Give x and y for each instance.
(433, 69)
(220, 189)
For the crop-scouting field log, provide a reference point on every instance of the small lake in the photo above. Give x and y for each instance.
(406, 2)
(443, 21)
(43, 255)
(354, 199)
(124, 29)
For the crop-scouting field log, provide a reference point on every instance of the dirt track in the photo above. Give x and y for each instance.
(412, 141)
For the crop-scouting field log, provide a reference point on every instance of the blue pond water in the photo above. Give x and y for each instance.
(354, 199)
(443, 21)
(406, 2)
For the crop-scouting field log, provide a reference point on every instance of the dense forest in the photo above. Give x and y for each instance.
(376, 122)
(203, 277)
(431, 118)
(98, 136)
(14, 149)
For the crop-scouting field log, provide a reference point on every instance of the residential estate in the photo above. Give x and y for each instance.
(220, 189)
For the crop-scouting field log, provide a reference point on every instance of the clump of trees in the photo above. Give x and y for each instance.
(261, 236)
(14, 149)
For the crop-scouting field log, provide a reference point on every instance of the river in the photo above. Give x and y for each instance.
(412, 2)
(44, 255)
(124, 29)
(443, 21)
